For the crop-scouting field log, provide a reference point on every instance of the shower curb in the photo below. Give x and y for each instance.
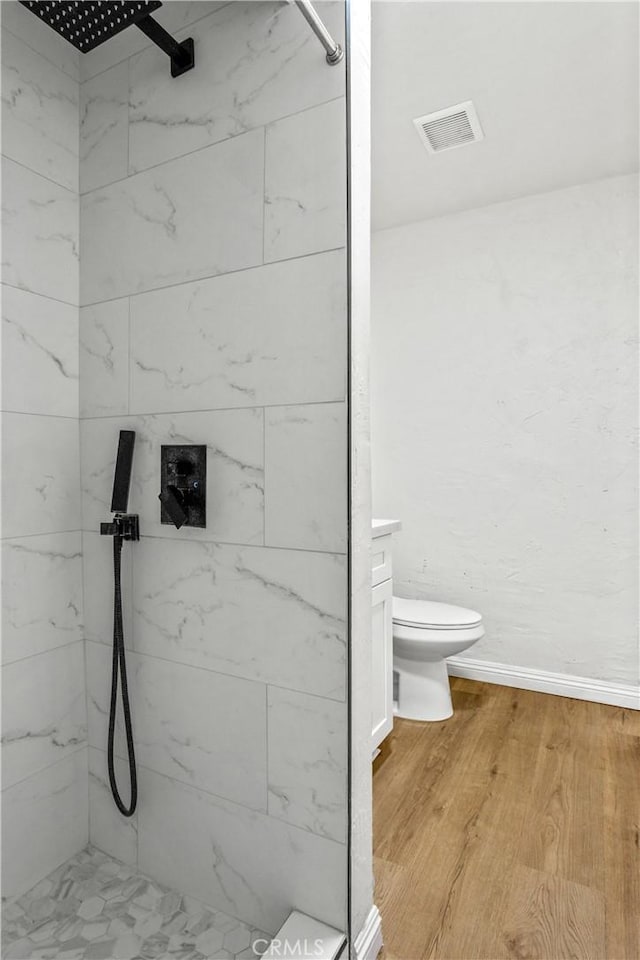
(304, 938)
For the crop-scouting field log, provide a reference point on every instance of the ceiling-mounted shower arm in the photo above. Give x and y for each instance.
(182, 54)
(335, 53)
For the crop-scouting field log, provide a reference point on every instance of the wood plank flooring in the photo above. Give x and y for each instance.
(510, 831)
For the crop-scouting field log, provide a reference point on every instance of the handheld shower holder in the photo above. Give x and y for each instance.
(124, 525)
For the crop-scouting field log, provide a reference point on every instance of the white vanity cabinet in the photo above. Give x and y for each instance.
(381, 631)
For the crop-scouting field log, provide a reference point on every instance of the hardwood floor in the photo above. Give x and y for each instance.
(511, 830)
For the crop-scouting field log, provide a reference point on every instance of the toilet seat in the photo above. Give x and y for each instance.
(430, 615)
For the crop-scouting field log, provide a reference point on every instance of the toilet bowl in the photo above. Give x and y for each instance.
(425, 633)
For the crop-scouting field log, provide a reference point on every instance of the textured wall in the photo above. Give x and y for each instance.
(505, 397)
(213, 291)
(44, 722)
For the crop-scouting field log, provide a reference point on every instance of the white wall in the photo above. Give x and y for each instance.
(44, 741)
(504, 410)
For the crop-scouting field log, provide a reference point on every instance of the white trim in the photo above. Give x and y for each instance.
(368, 943)
(561, 684)
(304, 938)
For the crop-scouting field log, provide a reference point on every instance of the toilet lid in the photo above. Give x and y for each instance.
(428, 613)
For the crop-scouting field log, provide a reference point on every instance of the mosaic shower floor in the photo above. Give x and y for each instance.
(97, 908)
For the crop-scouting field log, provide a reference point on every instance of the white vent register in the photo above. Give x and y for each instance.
(453, 127)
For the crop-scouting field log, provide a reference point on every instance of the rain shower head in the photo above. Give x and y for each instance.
(87, 24)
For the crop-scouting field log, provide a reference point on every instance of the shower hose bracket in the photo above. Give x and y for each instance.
(124, 525)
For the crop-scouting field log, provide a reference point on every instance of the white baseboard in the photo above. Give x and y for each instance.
(368, 943)
(561, 684)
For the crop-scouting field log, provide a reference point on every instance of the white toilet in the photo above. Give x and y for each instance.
(425, 633)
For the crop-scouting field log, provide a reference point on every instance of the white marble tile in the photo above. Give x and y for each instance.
(237, 860)
(39, 113)
(44, 714)
(42, 594)
(108, 829)
(308, 762)
(203, 728)
(104, 128)
(255, 62)
(40, 250)
(274, 334)
(97, 577)
(98, 661)
(40, 37)
(39, 354)
(44, 449)
(306, 183)
(172, 16)
(44, 822)
(306, 477)
(104, 359)
(194, 217)
(234, 440)
(271, 615)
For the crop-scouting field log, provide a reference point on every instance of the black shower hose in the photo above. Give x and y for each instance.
(119, 665)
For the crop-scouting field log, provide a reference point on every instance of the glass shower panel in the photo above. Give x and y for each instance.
(188, 237)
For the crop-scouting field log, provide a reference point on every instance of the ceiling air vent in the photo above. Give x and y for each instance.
(454, 127)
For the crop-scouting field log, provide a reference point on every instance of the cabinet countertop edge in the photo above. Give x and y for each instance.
(380, 528)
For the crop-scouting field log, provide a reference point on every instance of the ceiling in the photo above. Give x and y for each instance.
(555, 85)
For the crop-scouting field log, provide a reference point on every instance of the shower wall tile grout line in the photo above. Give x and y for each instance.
(231, 543)
(177, 413)
(207, 146)
(42, 176)
(224, 801)
(49, 766)
(129, 363)
(37, 293)
(28, 536)
(50, 63)
(31, 656)
(220, 673)
(213, 276)
(30, 413)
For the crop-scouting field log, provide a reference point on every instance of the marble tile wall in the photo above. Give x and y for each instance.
(214, 311)
(213, 290)
(44, 720)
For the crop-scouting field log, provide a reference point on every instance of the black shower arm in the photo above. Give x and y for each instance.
(181, 54)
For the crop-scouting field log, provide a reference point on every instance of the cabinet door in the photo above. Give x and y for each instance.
(382, 662)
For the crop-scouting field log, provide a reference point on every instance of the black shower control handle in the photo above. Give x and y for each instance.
(174, 503)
